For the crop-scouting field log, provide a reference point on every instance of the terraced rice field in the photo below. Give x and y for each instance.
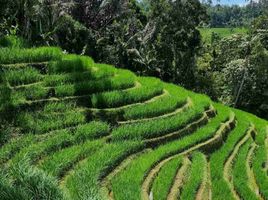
(89, 131)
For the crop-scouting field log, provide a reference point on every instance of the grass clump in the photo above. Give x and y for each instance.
(164, 180)
(68, 78)
(41, 123)
(57, 107)
(84, 182)
(60, 162)
(40, 54)
(34, 92)
(175, 98)
(22, 76)
(15, 145)
(150, 87)
(71, 64)
(34, 183)
(61, 139)
(124, 81)
(260, 155)
(240, 176)
(11, 41)
(196, 176)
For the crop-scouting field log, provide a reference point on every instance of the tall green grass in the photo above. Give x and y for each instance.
(67, 78)
(165, 178)
(41, 123)
(15, 145)
(149, 89)
(22, 76)
(57, 107)
(34, 183)
(132, 177)
(196, 176)
(60, 162)
(158, 127)
(220, 187)
(83, 183)
(49, 144)
(259, 172)
(71, 63)
(124, 81)
(260, 157)
(34, 92)
(175, 98)
(40, 54)
(240, 179)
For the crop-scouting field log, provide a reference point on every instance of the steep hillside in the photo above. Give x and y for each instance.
(80, 130)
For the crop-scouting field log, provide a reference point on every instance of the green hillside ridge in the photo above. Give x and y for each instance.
(80, 130)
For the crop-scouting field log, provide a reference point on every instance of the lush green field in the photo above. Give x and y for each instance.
(206, 33)
(81, 130)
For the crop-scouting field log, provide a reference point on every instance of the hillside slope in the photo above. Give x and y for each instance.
(81, 130)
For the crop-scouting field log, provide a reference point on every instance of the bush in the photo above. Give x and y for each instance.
(11, 41)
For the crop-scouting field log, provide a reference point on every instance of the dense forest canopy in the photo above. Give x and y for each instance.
(155, 37)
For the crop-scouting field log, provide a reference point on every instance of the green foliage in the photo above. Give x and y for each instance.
(40, 123)
(68, 157)
(235, 15)
(35, 183)
(207, 33)
(71, 63)
(12, 41)
(233, 70)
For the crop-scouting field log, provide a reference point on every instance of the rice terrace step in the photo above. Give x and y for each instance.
(91, 131)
